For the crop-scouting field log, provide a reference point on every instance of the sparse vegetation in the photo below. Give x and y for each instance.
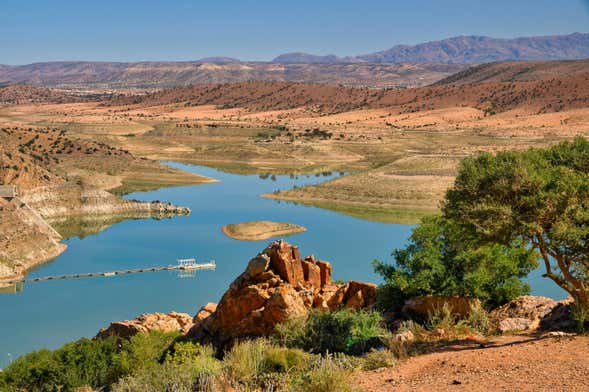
(342, 331)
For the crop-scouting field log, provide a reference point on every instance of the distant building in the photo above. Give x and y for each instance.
(8, 191)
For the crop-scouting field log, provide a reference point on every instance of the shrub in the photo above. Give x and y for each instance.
(326, 375)
(245, 361)
(376, 359)
(187, 366)
(81, 363)
(341, 331)
(145, 348)
(257, 364)
(85, 363)
(580, 315)
(440, 261)
(167, 377)
(282, 359)
(478, 320)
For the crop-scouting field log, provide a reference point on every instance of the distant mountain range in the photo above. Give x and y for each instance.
(400, 66)
(464, 50)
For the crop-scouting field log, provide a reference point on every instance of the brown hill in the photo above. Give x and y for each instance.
(34, 157)
(548, 88)
(19, 94)
(515, 71)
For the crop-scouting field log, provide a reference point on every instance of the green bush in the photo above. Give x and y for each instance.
(326, 375)
(186, 367)
(92, 363)
(341, 331)
(376, 359)
(439, 260)
(144, 348)
(81, 363)
(259, 365)
(282, 359)
(166, 377)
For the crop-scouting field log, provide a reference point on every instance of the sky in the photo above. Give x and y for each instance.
(134, 30)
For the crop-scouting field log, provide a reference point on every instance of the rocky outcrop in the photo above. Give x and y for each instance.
(276, 285)
(529, 313)
(430, 303)
(522, 314)
(171, 322)
(560, 318)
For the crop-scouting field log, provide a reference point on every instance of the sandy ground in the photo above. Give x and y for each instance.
(507, 363)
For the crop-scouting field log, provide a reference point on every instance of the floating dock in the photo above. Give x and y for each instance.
(183, 265)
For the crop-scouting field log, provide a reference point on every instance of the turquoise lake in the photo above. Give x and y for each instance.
(48, 314)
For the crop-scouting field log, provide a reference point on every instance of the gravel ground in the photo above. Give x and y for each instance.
(506, 363)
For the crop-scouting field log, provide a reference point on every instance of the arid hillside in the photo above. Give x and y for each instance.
(20, 94)
(547, 88)
(518, 71)
(100, 76)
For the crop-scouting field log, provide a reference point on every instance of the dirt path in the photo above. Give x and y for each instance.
(511, 363)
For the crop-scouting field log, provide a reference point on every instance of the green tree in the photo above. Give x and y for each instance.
(539, 196)
(440, 260)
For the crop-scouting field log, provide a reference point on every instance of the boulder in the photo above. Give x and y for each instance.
(277, 285)
(325, 271)
(560, 317)
(360, 295)
(171, 322)
(204, 312)
(528, 307)
(285, 261)
(428, 304)
(514, 324)
(312, 273)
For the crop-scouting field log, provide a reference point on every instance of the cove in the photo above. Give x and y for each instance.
(49, 314)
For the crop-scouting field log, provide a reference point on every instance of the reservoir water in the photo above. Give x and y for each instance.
(49, 314)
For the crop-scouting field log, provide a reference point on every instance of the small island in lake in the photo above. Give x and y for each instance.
(260, 230)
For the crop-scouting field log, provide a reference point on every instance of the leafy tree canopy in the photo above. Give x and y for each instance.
(439, 261)
(540, 196)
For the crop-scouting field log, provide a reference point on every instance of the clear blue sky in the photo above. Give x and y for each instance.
(132, 30)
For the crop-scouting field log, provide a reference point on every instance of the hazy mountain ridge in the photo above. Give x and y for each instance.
(466, 49)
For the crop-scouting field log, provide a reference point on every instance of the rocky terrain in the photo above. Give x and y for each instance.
(543, 362)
